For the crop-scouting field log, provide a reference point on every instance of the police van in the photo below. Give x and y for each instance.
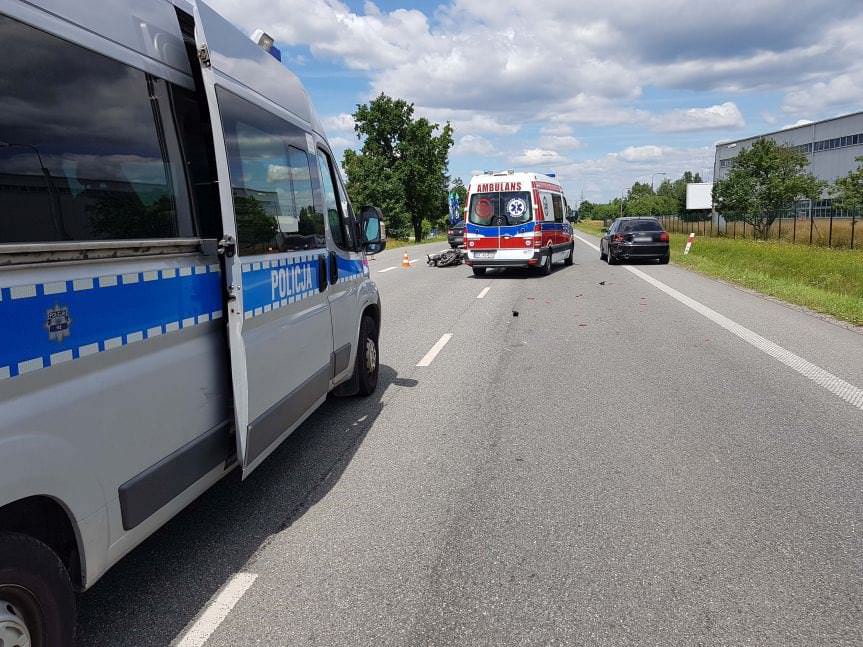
(182, 281)
(516, 219)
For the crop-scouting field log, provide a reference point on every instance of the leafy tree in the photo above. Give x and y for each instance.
(586, 210)
(766, 179)
(847, 191)
(402, 166)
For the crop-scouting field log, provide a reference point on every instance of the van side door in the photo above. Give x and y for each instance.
(345, 264)
(275, 257)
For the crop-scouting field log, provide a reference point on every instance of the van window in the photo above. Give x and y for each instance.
(338, 221)
(500, 209)
(557, 203)
(270, 181)
(83, 153)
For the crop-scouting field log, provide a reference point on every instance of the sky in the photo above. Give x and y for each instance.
(600, 92)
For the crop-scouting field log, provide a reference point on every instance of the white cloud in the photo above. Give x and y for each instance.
(340, 123)
(474, 145)
(538, 157)
(725, 115)
(556, 129)
(841, 90)
(642, 153)
(799, 122)
(564, 142)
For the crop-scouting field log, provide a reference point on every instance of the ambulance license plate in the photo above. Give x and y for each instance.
(483, 254)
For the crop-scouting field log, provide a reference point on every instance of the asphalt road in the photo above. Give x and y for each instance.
(610, 467)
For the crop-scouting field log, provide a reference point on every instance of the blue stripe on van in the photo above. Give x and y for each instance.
(50, 323)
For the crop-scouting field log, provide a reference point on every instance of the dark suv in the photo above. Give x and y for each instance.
(455, 234)
(634, 239)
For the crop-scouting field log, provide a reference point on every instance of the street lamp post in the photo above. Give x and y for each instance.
(654, 176)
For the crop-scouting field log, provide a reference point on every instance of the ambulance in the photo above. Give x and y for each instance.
(183, 281)
(517, 219)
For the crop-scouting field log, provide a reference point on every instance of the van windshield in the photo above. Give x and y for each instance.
(500, 209)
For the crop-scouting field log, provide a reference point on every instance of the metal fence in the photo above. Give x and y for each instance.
(839, 232)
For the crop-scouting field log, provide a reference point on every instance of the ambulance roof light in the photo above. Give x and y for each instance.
(266, 42)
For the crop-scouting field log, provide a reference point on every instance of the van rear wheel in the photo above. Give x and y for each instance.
(569, 259)
(367, 363)
(37, 604)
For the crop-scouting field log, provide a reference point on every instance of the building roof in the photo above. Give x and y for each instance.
(786, 130)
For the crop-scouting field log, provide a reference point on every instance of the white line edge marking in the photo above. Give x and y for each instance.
(482, 294)
(836, 385)
(412, 261)
(387, 269)
(217, 610)
(439, 344)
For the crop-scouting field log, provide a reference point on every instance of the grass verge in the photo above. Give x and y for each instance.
(829, 281)
(395, 243)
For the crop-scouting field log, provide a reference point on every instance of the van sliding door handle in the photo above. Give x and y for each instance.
(322, 272)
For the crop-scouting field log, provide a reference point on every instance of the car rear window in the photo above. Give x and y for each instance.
(639, 225)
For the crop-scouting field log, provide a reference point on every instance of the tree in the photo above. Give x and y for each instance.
(460, 190)
(402, 167)
(847, 191)
(766, 180)
(586, 210)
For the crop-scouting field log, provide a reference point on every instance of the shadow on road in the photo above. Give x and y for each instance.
(152, 594)
(520, 272)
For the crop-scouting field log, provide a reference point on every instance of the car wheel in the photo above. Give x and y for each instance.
(610, 259)
(569, 259)
(479, 271)
(367, 362)
(37, 604)
(663, 260)
(602, 255)
(545, 268)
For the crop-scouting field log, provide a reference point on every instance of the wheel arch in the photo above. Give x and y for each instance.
(45, 518)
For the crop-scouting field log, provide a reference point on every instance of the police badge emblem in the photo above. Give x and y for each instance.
(58, 323)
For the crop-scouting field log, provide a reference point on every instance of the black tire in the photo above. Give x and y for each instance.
(602, 255)
(663, 260)
(479, 271)
(36, 590)
(610, 259)
(367, 364)
(569, 259)
(545, 268)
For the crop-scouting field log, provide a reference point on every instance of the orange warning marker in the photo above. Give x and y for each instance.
(406, 262)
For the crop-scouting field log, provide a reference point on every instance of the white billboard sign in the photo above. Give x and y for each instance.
(699, 195)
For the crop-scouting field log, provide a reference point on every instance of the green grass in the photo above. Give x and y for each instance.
(395, 243)
(825, 280)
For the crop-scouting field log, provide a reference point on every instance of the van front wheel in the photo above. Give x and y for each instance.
(367, 362)
(37, 604)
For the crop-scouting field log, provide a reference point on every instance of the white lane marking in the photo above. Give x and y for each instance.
(429, 356)
(836, 385)
(482, 294)
(217, 610)
(387, 269)
(412, 261)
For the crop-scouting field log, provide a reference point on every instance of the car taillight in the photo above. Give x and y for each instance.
(618, 238)
(450, 232)
(663, 237)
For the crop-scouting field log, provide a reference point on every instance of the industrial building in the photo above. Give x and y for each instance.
(831, 146)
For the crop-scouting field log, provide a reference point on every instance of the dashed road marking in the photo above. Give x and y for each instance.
(387, 269)
(836, 385)
(413, 260)
(482, 294)
(439, 344)
(217, 610)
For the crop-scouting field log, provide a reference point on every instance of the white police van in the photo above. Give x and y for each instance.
(182, 281)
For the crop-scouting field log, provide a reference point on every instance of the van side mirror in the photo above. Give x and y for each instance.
(372, 227)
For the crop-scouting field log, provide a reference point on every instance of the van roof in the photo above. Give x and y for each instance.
(514, 176)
